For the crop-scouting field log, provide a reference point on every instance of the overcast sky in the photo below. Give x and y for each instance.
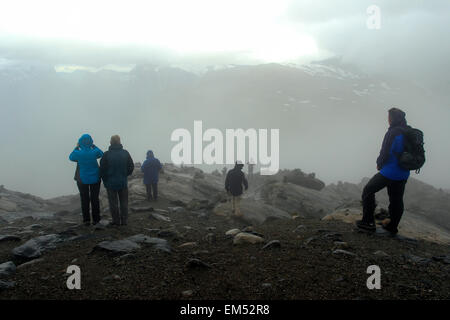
(412, 43)
(412, 38)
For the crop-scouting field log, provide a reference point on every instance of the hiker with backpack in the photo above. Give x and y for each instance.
(233, 185)
(87, 177)
(151, 168)
(401, 151)
(115, 167)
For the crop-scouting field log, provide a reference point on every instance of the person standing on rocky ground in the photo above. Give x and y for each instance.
(233, 185)
(87, 177)
(151, 168)
(115, 167)
(251, 166)
(390, 175)
(224, 171)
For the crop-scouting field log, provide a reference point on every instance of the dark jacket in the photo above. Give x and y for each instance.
(234, 181)
(392, 146)
(150, 168)
(115, 166)
(86, 155)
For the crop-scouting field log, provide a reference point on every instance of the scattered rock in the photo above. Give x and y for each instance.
(169, 233)
(343, 252)
(127, 256)
(187, 293)
(443, 258)
(210, 238)
(112, 277)
(340, 245)
(272, 244)
(33, 227)
(118, 246)
(8, 237)
(381, 254)
(197, 263)
(34, 248)
(244, 237)
(333, 236)
(6, 284)
(417, 259)
(141, 209)
(299, 229)
(159, 217)
(266, 285)
(162, 211)
(176, 209)
(232, 232)
(35, 261)
(7, 269)
(188, 245)
(310, 239)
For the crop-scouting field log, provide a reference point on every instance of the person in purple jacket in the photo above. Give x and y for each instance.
(390, 175)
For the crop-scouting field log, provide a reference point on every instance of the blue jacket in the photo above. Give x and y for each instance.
(86, 156)
(115, 167)
(387, 161)
(150, 168)
(391, 169)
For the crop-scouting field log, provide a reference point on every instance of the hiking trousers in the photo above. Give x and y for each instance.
(236, 205)
(89, 199)
(395, 189)
(152, 191)
(118, 205)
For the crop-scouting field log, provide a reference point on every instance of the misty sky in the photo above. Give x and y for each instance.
(117, 35)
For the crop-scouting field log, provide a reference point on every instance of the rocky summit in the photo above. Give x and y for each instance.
(295, 240)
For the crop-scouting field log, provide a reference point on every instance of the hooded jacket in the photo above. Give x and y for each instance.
(392, 146)
(150, 168)
(115, 167)
(86, 155)
(235, 179)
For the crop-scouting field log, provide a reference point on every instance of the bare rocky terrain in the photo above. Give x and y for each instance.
(295, 241)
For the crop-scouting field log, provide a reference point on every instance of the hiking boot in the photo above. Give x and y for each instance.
(386, 227)
(366, 225)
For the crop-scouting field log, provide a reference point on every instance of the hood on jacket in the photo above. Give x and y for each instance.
(85, 141)
(150, 154)
(397, 117)
(238, 165)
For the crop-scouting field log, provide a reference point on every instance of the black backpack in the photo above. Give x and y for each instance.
(413, 155)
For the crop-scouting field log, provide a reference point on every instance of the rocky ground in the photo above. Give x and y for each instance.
(194, 258)
(295, 241)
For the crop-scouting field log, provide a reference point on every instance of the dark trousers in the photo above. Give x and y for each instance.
(89, 197)
(152, 187)
(395, 191)
(119, 212)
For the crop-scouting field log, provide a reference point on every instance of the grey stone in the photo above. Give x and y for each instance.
(6, 284)
(197, 263)
(272, 244)
(159, 217)
(34, 248)
(9, 237)
(118, 246)
(343, 252)
(243, 237)
(7, 269)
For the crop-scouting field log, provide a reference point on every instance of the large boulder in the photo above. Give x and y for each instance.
(34, 248)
